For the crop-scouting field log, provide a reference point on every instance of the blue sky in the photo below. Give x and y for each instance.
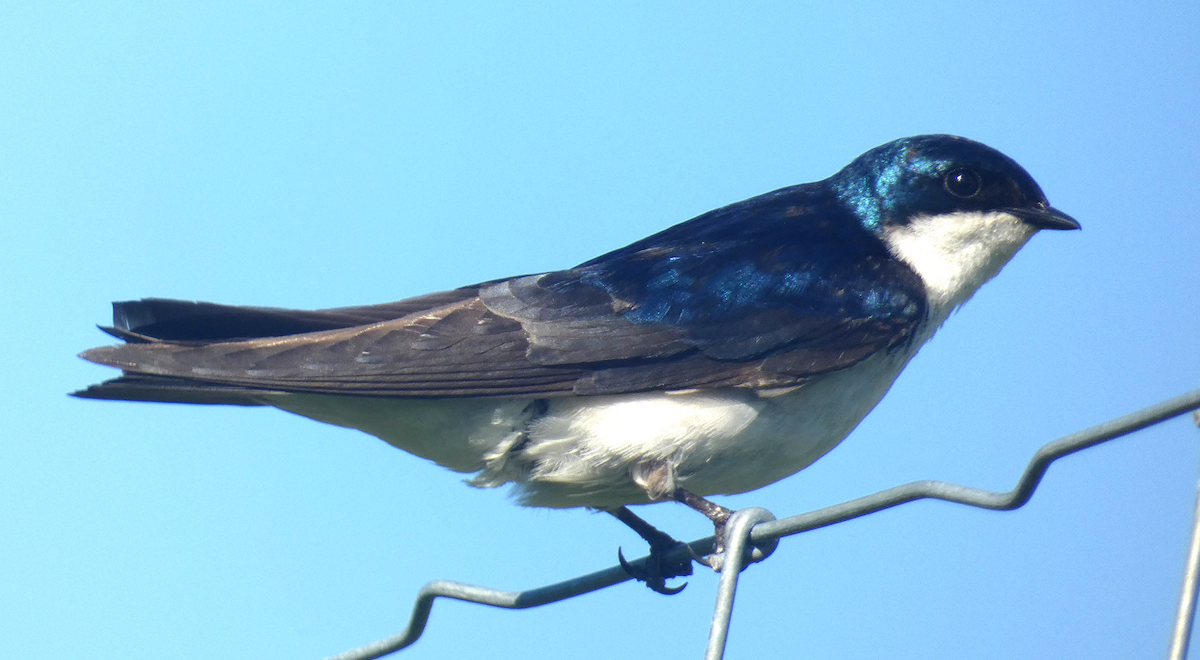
(317, 155)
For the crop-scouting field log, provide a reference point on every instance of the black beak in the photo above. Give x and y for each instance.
(1044, 216)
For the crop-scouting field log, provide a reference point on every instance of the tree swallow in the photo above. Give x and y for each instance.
(714, 357)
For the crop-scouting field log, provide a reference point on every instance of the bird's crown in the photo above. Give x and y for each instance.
(929, 175)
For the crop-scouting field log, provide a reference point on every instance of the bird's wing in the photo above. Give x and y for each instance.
(187, 321)
(737, 308)
(716, 315)
(455, 349)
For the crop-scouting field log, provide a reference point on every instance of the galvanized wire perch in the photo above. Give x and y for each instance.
(763, 532)
(1186, 614)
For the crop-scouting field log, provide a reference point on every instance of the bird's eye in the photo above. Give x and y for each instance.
(963, 183)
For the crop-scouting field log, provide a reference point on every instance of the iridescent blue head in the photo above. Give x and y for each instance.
(936, 174)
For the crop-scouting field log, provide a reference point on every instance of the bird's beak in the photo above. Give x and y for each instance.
(1044, 216)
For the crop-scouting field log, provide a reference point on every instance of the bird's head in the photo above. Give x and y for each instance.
(955, 210)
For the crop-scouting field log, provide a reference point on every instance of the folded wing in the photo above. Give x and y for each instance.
(766, 297)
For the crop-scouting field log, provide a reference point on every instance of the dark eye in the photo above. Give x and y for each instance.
(963, 183)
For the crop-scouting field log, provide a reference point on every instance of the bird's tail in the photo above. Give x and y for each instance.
(182, 323)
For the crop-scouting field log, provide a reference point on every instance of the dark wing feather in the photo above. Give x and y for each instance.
(452, 350)
(138, 387)
(182, 320)
(786, 272)
(762, 293)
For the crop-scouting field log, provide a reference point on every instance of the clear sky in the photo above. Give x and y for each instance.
(325, 154)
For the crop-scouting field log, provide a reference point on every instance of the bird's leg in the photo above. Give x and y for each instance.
(657, 569)
(718, 514)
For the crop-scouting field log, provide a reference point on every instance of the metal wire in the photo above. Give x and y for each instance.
(734, 559)
(763, 535)
(1182, 633)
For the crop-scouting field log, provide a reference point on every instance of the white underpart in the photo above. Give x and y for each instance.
(956, 253)
(586, 451)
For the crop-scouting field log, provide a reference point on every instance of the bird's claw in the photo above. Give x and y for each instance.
(656, 570)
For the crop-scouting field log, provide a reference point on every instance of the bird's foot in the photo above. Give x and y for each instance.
(734, 532)
(657, 568)
(716, 513)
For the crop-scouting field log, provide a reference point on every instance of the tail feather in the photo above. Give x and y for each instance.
(192, 324)
(163, 389)
(187, 321)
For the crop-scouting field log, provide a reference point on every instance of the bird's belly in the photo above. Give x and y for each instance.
(455, 433)
(581, 451)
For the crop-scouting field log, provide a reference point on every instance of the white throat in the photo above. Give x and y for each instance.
(955, 253)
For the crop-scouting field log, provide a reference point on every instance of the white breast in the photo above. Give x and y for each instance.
(955, 253)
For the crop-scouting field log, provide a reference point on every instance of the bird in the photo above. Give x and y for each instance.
(715, 357)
